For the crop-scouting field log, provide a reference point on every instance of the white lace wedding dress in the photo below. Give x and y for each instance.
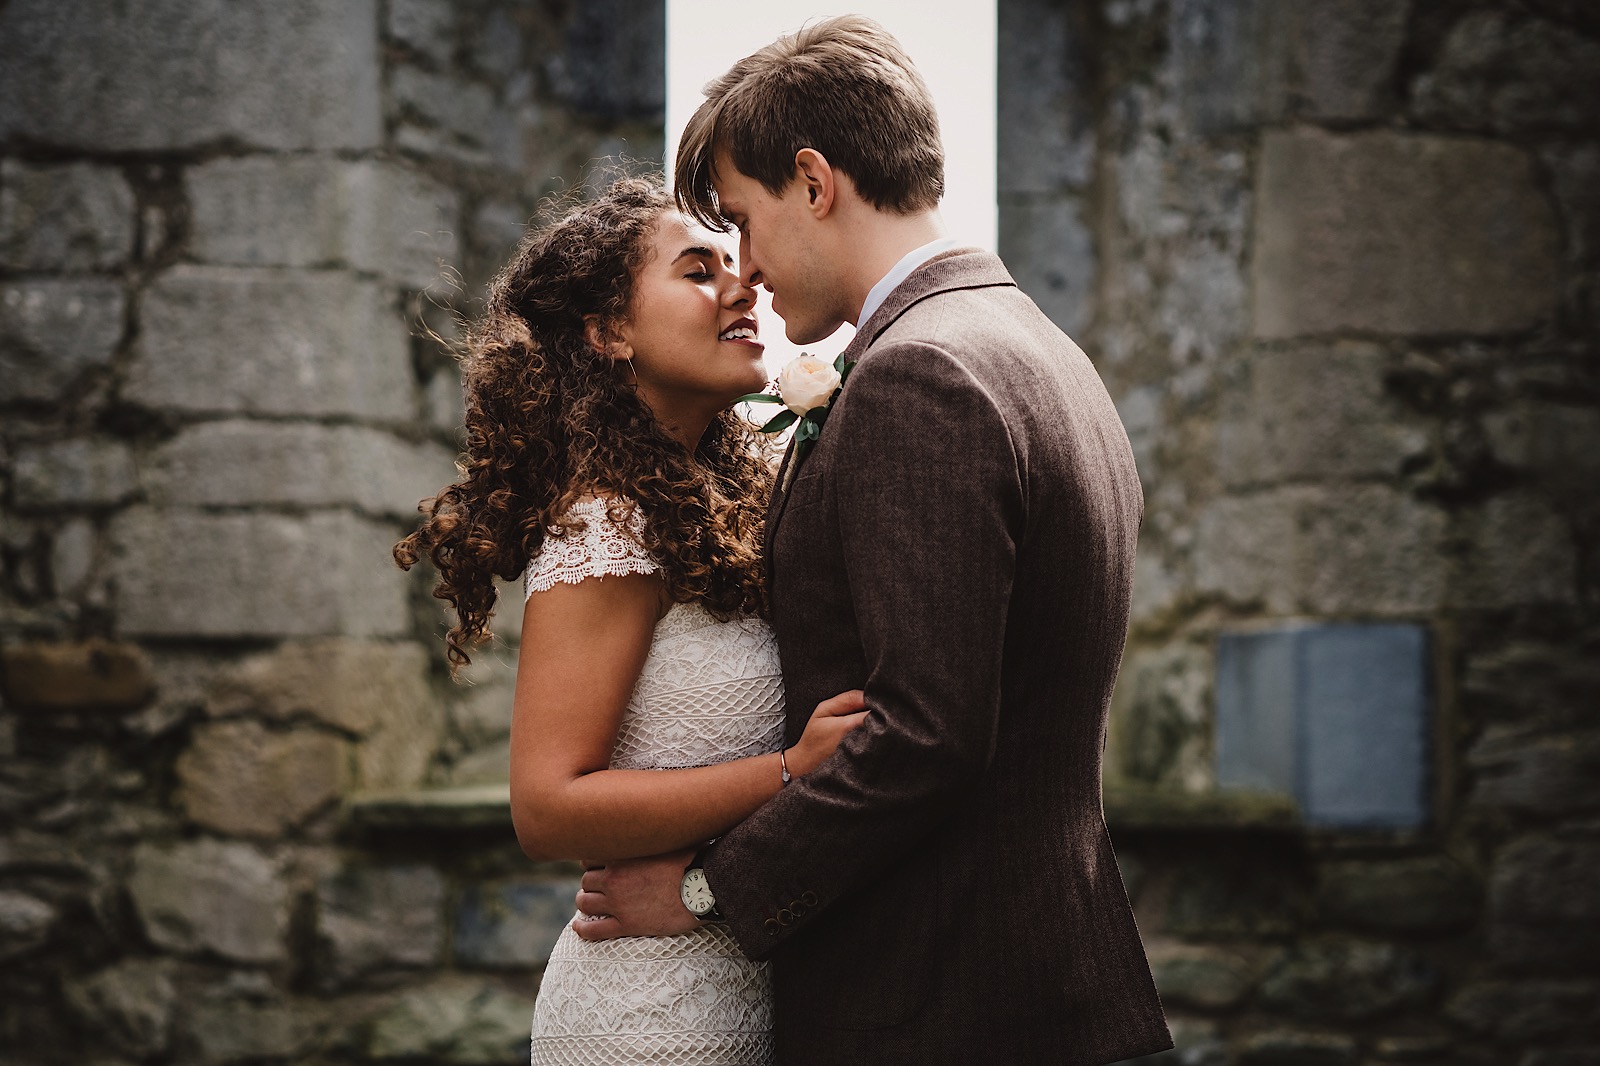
(709, 691)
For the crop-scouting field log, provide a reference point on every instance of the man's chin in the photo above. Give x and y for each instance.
(809, 332)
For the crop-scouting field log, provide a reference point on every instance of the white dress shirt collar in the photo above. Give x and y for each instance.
(899, 272)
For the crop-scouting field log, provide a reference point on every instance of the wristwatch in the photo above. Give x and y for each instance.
(696, 895)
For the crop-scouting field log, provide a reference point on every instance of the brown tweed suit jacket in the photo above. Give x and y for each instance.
(960, 544)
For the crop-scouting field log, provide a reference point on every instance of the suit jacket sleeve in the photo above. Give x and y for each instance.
(927, 489)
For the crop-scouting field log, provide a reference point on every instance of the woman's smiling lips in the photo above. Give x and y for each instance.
(742, 332)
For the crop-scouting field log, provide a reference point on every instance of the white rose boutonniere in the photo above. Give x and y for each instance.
(807, 387)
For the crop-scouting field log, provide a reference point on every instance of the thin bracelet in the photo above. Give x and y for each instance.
(783, 763)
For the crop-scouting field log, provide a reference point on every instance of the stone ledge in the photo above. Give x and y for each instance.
(469, 808)
(487, 807)
(1147, 809)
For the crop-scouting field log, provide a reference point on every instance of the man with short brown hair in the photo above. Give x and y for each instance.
(959, 543)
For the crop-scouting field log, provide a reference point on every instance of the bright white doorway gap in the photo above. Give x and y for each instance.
(952, 42)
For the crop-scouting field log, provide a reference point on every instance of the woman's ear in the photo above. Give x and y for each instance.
(605, 341)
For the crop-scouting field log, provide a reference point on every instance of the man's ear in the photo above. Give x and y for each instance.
(813, 171)
(605, 340)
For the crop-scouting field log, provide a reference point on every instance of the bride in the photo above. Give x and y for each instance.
(604, 464)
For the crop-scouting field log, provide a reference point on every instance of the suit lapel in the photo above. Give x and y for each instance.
(959, 268)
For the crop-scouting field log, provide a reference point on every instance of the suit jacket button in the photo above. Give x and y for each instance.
(785, 917)
(772, 927)
(808, 898)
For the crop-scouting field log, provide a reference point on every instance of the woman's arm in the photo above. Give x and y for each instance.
(583, 646)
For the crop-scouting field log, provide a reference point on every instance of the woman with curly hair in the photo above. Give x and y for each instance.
(605, 465)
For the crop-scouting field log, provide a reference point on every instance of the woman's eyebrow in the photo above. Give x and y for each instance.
(701, 250)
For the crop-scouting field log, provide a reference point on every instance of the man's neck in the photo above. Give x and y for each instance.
(881, 239)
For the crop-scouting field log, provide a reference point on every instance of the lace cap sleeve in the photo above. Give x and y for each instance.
(602, 548)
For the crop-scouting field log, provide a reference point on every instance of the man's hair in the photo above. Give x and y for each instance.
(842, 86)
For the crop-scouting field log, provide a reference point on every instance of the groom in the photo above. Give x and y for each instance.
(959, 543)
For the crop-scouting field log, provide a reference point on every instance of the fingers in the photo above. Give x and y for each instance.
(844, 703)
(607, 928)
(594, 904)
(594, 880)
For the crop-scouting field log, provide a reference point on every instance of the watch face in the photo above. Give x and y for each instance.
(695, 893)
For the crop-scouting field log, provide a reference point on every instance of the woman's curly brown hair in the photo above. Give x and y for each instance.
(549, 420)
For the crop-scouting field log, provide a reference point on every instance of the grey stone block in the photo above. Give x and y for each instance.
(1315, 412)
(1506, 72)
(25, 923)
(1045, 131)
(1543, 910)
(225, 340)
(1355, 549)
(1347, 980)
(1053, 255)
(252, 576)
(247, 463)
(1404, 234)
(373, 919)
(239, 778)
(454, 1020)
(426, 26)
(74, 473)
(52, 331)
(512, 924)
(129, 1005)
(1337, 716)
(614, 65)
(447, 116)
(1428, 893)
(1160, 718)
(242, 1031)
(171, 74)
(376, 217)
(1552, 775)
(1519, 550)
(74, 217)
(210, 896)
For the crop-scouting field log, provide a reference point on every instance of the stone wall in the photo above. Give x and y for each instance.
(227, 231)
(1339, 264)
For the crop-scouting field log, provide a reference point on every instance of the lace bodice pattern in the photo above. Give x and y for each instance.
(709, 691)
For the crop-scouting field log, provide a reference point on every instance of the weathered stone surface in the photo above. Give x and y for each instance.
(170, 74)
(79, 676)
(1506, 72)
(1558, 442)
(452, 117)
(1315, 412)
(371, 919)
(614, 66)
(488, 764)
(211, 896)
(1555, 774)
(74, 217)
(1428, 893)
(244, 463)
(1575, 177)
(1525, 1010)
(378, 692)
(25, 923)
(1231, 897)
(1240, 64)
(256, 575)
(53, 330)
(425, 26)
(238, 1031)
(239, 778)
(129, 1005)
(512, 923)
(1208, 978)
(74, 473)
(1393, 233)
(1160, 718)
(1346, 980)
(1194, 1043)
(317, 212)
(1045, 127)
(1282, 1047)
(1425, 1044)
(73, 556)
(1355, 549)
(453, 1020)
(1520, 550)
(281, 342)
(1543, 909)
(1054, 251)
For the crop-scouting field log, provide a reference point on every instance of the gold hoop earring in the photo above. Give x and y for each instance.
(634, 374)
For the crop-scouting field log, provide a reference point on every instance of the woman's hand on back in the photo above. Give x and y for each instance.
(829, 723)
